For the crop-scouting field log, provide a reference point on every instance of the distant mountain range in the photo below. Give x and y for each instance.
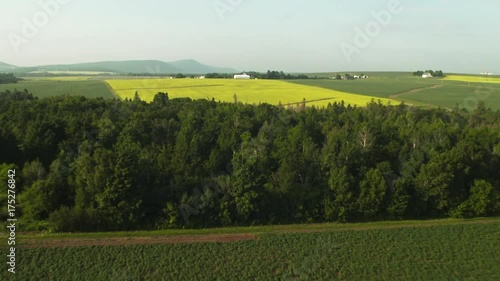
(124, 67)
(6, 67)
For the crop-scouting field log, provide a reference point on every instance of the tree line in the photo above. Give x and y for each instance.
(277, 75)
(272, 75)
(8, 78)
(104, 165)
(437, 73)
(348, 76)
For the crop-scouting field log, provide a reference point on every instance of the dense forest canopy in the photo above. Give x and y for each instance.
(94, 164)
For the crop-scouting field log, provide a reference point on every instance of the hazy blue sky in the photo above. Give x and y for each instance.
(292, 35)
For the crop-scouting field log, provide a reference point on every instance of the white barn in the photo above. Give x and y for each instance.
(426, 75)
(242, 76)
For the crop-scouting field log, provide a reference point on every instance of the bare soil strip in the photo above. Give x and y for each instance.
(309, 101)
(123, 241)
(415, 91)
(223, 238)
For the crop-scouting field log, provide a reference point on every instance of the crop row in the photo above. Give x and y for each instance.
(460, 252)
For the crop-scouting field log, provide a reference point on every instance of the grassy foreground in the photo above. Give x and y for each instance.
(429, 250)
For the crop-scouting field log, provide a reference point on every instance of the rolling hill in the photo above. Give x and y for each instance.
(133, 66)
(195, 67)
(4, 67)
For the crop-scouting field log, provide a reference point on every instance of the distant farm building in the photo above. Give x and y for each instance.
(339, 77)
(242, 76)
(426, 75)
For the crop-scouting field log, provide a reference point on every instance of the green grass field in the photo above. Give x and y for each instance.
(466, 91)
(376, 86)
(247, 91)
(434, 250)
(465, 96)
(49, 87)
(321, 227)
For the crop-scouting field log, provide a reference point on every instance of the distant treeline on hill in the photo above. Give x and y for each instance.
(437, 73)
(97, 165)
(176, 75)
(274, 75)
(8, 78)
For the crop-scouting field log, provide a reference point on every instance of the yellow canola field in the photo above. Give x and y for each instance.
(472, 79)
(247, 91)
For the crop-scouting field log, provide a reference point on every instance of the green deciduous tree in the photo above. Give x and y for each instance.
(484, 200)
(341, 205)
(372, 192)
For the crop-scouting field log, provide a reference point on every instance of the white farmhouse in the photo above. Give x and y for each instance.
(426, 75)
(242, 76)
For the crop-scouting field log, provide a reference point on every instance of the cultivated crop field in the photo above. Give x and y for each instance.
(464, 91)
(463, 95)
(467, 250)
(390, 87)
(247, 91)
(50, 87)
(474, 79)
(382, 87)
